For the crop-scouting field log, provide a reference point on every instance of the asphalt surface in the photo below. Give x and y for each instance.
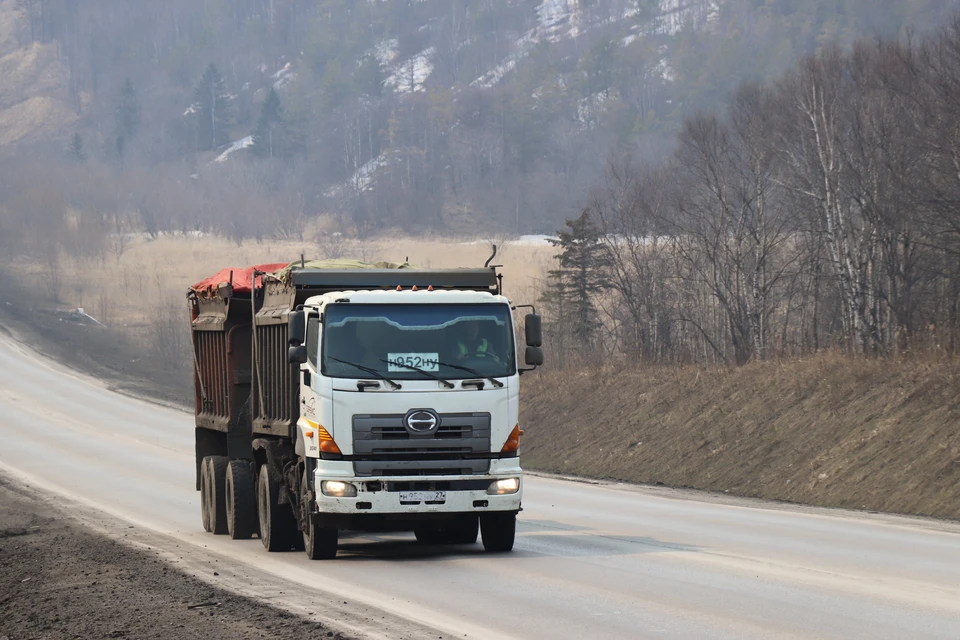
(591, 560)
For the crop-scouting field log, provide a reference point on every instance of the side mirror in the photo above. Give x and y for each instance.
(533, 356)
(534, 330)
(296, 328)
(297, 354)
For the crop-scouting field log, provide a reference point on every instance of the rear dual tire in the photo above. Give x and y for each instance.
(241, 500)
(213, 495)
(278, 530)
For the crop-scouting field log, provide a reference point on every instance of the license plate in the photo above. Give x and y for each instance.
(425, 361)
(423, 496)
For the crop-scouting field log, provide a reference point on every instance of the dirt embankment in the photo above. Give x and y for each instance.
(830, 431)
(59, 580)
(108, 353)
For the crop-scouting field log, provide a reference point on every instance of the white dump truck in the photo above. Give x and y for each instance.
(338, 395)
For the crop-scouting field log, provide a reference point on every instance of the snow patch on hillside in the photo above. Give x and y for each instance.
(495, 75)
(242, 143)
(410, 76)
(284, 76)
(386, 51)
(675, 15)
(362, 179)
(556, 20)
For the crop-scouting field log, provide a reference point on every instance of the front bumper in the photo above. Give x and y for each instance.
(381, 496)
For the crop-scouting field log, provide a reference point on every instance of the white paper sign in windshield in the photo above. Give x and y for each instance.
(425, 361)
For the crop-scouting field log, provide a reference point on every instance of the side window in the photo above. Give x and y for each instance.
(313, 335)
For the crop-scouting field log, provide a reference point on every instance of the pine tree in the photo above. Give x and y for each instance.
(76, 150)
(581, 274)
(128, 118)
(212, 110)
(271, 138)
(128, 111)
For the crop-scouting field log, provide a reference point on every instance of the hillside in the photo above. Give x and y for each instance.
(827, 430)
(436, 114)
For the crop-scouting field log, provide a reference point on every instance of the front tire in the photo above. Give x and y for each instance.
(213, 479)
(241, 500)
(498, 531)
(320, 543)
(277, 530)
(460, 530)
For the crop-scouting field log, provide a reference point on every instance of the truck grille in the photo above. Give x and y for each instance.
(383, 447)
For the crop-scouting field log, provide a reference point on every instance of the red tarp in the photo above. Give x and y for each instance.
(242, 278)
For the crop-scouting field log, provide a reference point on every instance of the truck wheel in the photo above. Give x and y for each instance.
(498, 530)
(277, 529)
(212, 486)
(464, 530)
(429, 535)
(320, 543)
(460, 530)
(204, 507)
(241, 500)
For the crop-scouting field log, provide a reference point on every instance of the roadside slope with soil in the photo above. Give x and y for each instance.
(60, 580)
(880, 435)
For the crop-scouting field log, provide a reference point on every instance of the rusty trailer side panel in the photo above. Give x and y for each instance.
(221, 348)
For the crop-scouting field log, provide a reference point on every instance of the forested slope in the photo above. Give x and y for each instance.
(442, 114)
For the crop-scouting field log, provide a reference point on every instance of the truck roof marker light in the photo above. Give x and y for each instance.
(413, 288)
(513, 441)
(327, 445)
(399, 288)
(430, 288)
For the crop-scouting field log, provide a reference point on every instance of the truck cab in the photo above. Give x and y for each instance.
(409, 412)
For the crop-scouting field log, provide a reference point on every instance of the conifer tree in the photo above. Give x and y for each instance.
(270, 137)
(76, 150)
(212, 110)
(128, 111)
(581, 274)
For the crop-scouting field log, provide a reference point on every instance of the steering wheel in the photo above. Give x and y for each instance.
(480, 355)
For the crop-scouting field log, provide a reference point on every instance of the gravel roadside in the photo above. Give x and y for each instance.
(59, 579)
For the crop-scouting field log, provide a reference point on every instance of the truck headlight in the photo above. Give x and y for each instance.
(504, 486)
(338, 489)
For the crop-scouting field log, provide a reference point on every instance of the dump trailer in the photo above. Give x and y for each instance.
(340, 395)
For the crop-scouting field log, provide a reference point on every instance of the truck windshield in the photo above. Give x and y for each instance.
(398, 339)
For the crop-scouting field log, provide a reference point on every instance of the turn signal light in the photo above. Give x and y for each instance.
(513, 441)
(327, 445)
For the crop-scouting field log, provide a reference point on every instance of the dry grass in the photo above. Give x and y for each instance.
(128, 287)
(827, 430)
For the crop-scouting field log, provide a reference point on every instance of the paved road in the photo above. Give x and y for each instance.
(597, 561)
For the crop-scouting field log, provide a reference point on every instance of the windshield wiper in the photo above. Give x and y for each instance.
(370, 370)
(429, 374)
(495, 382)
